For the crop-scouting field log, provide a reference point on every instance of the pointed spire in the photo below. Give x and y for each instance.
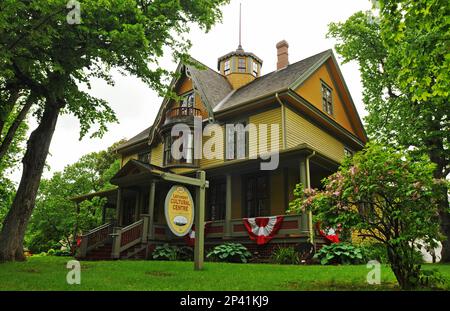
(240, 45)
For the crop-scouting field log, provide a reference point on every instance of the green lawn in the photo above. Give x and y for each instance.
(49, 273)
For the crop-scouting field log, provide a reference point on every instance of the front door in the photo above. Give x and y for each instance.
(129, 211)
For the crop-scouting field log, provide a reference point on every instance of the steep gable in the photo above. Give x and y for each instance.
(310, 90)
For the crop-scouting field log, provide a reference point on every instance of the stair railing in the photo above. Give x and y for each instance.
(129, 236)
(94, 238)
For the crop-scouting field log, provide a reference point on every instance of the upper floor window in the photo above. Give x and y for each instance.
(226, 67)
(241, 65)
(255, 68)
(236, 137)
(144, 157)
(327, 99)
(182, 155)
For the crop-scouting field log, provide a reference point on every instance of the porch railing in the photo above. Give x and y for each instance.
(94, 238)
(292, 226)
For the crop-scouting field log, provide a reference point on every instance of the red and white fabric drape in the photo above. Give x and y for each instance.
(190, 237)
(263, 229)
(330, 234)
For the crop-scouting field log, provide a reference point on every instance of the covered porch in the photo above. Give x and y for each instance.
(237, 190)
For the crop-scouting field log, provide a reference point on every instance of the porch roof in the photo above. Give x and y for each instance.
(104, 194)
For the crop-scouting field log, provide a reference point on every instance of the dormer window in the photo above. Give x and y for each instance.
(226, 68)
(241, 64)
(187, 101)
(327, 99)
(255, 68)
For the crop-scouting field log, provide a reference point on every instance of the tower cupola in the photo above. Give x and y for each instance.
(239, 67)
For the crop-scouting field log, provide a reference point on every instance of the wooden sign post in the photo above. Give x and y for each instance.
(199, 218)
(201, 184)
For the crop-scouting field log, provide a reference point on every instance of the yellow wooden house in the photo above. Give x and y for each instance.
(318, 125)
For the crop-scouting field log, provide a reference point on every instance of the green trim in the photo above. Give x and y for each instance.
(310, 71)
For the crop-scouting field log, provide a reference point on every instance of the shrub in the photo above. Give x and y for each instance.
(230, 252)
(432, 279)
(339, 253)
(165, 252)
(51, 252)
(62, 253)
(185, 253)
(285, 256)
(375, 251)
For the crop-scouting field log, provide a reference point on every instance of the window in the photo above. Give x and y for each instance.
(144, 157)
(186, 104)
(255, 68)
(226, 69)
(236, 141)
(186, 151)
(327, 99)
(216, 200)
(256, 195)
(348, 152)
(241, 64)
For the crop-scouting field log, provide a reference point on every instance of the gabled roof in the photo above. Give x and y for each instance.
(141, 137)
(214, 86)
(271, 82)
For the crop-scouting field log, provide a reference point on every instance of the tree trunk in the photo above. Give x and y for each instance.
(15, 223)
(404, 269)
(444, 218)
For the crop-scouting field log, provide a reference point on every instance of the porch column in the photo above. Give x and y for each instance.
(119, 207)
(228, 207)
(151, 211)
(136, 206)
(104, 213)
(305, 182)
(200, 222)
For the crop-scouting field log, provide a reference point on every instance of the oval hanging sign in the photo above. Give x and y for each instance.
(179, 210)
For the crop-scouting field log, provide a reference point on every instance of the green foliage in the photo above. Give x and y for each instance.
(230, 252)
(404, 58)
(385, 195)
(51, 252)
(56, 219)
(432, 279)
(165, 252)
(173, 252)
(285, 256)
(375, 251)
(339, 253)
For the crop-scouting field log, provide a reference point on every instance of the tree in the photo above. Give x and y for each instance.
(50, 58)
(383, 194)
(403, 55)
(55, 217)
(8, 163)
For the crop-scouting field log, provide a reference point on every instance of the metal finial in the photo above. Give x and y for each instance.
(240, 8)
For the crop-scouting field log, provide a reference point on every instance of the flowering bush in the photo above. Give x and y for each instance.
(385, 195)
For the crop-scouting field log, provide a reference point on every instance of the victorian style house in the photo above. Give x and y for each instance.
(318, 125)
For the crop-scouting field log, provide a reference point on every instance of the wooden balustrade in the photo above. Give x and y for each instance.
(180, 112)
(93, 238)
(131, 233)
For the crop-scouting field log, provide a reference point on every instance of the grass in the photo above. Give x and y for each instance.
(49, 273)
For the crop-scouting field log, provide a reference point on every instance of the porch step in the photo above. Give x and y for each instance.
(102, 252)
(135, 252)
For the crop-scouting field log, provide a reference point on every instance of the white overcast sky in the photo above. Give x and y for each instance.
(302, 23)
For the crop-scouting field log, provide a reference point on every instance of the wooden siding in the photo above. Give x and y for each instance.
(277, 193)
(299, 131)
(156, 157)
(221, 149)
(311, 91)
(128, 157)
(269, 117)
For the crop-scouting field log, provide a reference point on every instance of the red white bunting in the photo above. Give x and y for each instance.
(190, 237)
(263, 229)
(330, 234)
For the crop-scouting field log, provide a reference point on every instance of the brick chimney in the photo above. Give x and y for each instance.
(282, 53)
